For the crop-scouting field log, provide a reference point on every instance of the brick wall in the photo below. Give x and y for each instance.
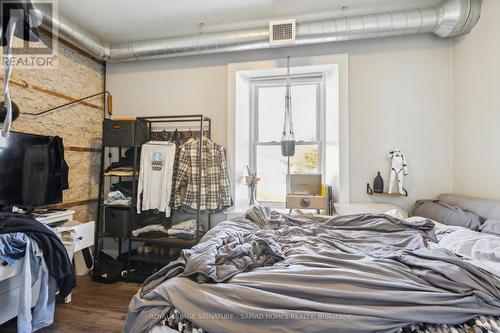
(80, 126)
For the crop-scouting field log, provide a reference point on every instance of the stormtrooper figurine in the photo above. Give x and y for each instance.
(398, 170)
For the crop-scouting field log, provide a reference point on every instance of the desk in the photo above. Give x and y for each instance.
(75, 235)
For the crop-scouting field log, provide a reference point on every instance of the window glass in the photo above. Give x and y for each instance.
(304, 112)
(272, 169)
(271, 109)
(305, 160)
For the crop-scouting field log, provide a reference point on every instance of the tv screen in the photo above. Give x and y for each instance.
(30, 171)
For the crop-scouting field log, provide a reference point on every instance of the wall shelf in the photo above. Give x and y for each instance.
(370, 191)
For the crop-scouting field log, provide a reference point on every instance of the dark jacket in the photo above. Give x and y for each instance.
(45, 173)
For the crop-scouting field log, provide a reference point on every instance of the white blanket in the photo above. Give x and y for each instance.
(480, 249)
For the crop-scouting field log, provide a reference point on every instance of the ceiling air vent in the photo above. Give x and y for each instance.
(282, 32)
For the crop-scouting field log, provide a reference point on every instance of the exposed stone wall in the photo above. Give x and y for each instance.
(80, 126)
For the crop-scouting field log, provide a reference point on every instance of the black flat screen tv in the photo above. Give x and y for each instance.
(30, 171)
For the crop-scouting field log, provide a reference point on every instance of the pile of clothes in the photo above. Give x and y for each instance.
(117, 198)
(153, 230)
(124, 167)
(45, 259)
(185, 230)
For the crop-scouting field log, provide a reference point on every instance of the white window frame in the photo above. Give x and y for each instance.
(336, 74)
(255, 84)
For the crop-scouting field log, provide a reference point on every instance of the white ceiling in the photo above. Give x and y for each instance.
(128, 20)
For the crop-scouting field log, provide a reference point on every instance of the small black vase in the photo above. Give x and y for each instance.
(378, 184)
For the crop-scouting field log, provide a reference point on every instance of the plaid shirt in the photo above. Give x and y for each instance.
(215, 187)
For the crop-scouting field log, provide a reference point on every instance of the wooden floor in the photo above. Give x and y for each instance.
(95, 307)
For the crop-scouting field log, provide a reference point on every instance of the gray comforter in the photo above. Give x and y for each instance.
(360, 273)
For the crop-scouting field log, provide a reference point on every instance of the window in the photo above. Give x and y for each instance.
(267, 96)
(320, 101)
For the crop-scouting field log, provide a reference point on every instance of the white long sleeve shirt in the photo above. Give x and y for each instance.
(155, 176)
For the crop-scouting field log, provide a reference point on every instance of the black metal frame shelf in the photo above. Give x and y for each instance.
(151, 122)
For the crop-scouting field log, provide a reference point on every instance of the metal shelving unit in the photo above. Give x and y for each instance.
(101, 206)
(154, 122)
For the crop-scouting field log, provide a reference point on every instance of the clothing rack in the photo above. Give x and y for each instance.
(202, 126)
(186, 119)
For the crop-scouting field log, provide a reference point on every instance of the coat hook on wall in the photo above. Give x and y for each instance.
(108, 107)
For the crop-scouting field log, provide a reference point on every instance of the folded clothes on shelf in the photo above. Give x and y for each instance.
(185, 229)
(123, 168)
(120, 164)
(185, 225)
(117, 198)
(184, 234)
(150, 230)
(121, 172)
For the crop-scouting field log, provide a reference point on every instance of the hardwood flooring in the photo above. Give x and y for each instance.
(95, 308)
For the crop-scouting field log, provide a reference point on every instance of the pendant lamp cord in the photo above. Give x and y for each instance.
(288, 102)
(8, 71)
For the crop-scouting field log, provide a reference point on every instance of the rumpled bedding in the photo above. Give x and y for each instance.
(359, 273)
(478, 248)
(219, 258)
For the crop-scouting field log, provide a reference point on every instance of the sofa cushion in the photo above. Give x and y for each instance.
(447, 214)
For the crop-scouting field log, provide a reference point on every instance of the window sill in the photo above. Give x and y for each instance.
(240, 210)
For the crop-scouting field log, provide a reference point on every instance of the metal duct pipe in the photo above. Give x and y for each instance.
(452, 18)
(218, 42)
(74, 35)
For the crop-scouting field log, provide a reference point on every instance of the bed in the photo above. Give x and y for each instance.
(353, 273)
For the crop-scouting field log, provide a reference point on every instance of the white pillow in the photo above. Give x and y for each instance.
(397, 213)
(437, 225)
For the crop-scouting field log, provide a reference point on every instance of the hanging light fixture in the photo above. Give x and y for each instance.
(288, 136)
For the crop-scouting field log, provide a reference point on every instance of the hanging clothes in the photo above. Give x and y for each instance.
(175, 138)
(44, 172)
(215, 185)
(156, 176)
